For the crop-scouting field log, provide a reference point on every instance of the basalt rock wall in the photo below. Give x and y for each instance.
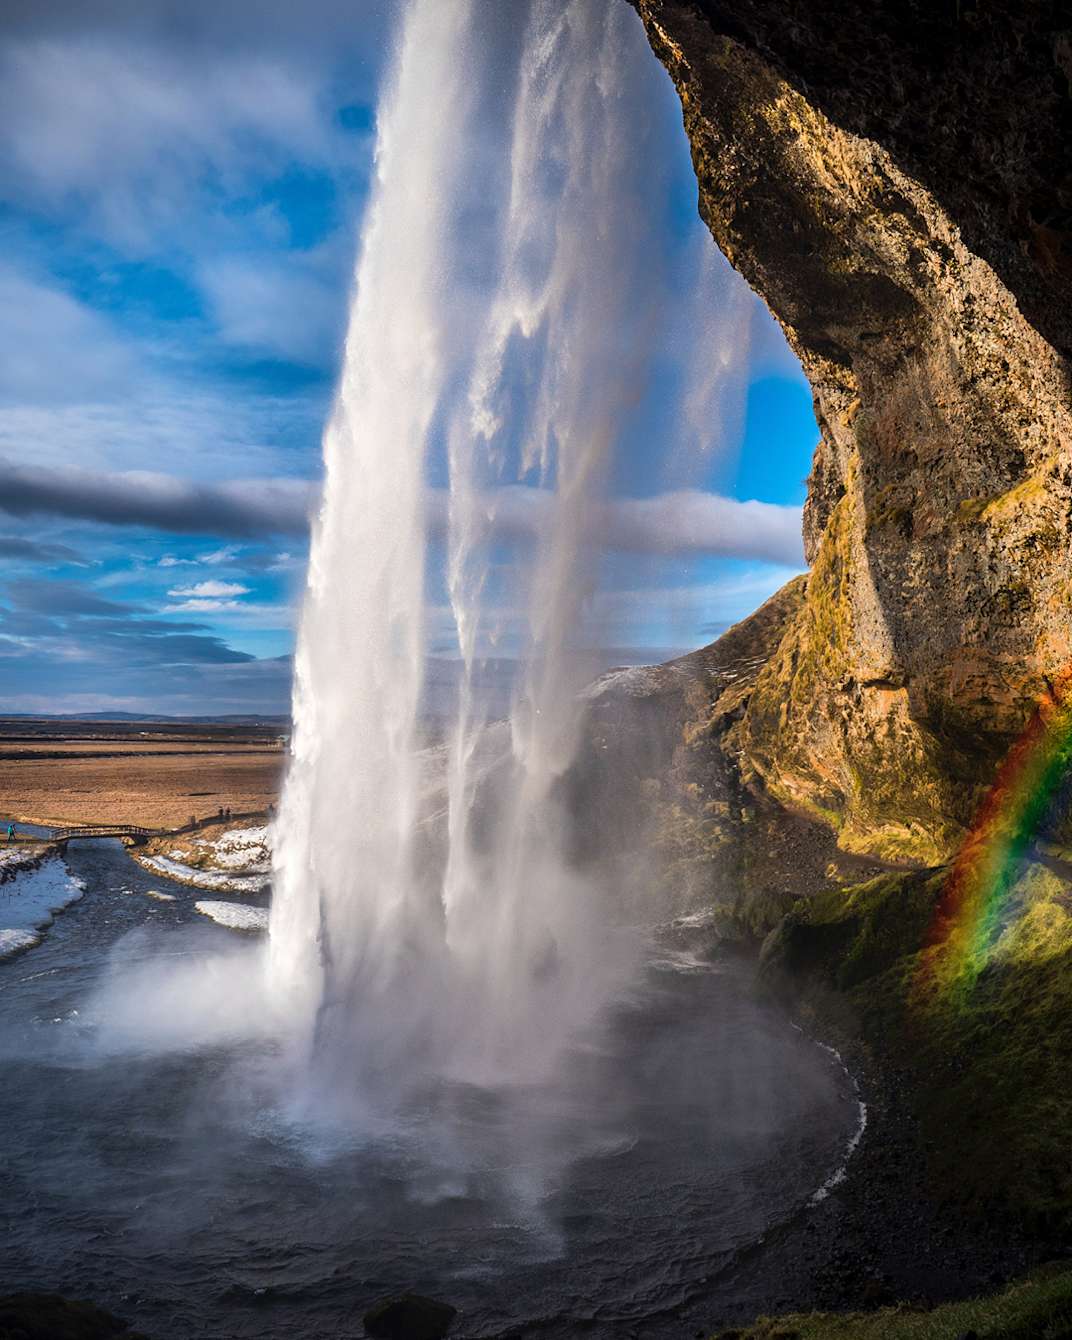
(896, 183)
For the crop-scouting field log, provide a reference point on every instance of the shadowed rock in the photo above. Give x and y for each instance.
(907, 220)
(409, 1317)
(47, 1316)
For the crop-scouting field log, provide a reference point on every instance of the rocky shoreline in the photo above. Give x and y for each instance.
(882, 1236)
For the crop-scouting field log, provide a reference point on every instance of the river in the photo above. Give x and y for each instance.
(175, 1186)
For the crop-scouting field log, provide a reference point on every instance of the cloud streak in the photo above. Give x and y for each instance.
(157, 501)
(686, 521)
(681, 522)
(19, 549)
(210, 589)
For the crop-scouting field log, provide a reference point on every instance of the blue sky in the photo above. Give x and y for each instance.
(181, 190)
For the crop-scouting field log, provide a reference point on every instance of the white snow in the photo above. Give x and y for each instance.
(238, 861)
(203, 879)
(13, 942)
(160, 896)
(28, 902)
(635, 681)
(241, 849)
(12, 855)
(235, 916)
(240, 838)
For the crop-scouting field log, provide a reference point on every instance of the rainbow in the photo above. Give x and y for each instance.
(970, 911)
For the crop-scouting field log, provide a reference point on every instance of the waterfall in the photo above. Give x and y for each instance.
(499, 329)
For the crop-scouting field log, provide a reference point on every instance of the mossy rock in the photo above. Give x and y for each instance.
(987, 1042)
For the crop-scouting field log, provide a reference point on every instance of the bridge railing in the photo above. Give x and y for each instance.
(73, 832)
(106, 830)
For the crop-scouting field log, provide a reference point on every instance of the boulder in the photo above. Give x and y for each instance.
(48, 1316)
(408, 1316)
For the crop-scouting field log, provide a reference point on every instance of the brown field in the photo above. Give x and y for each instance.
(158, 777)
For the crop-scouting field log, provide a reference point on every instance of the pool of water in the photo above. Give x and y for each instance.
(178, 1186)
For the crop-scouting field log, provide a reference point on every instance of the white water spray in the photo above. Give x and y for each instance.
(498, 334)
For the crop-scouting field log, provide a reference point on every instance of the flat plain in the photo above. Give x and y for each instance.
(155, 774)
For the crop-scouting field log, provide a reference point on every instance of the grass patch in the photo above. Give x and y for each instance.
(987, 1044)
(1038, 1307)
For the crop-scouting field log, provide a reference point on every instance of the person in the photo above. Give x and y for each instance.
(11, 832)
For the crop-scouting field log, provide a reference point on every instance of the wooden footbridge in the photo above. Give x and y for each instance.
(137, 836)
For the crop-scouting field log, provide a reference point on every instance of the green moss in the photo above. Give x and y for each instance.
(1034, 491)
(905, 843)
(847, 755)
(1038, 1307)
(990, 1048)
(805, 804)
(970, 511)
(890, 507)
(792, 690)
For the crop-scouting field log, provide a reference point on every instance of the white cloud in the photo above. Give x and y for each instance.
(198, 606)
(288, 307)
(687, 614)
(227, 554)
(241, 616)
(216, 558)
(685, 521)
(140, 134)
(53, 349)
(210, 589)
(691, 521)
(76, 405)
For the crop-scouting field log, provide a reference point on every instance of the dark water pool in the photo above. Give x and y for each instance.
(177, 1190)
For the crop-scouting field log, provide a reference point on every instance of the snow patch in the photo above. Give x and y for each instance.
(235, 916)
(203, 879)
(245, 849)
(635, 681)
(238, 861)
(13, 942)
(28, 902)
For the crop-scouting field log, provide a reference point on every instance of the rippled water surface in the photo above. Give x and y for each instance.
(180, 1189)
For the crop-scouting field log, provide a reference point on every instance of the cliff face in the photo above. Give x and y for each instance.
(898, 188)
